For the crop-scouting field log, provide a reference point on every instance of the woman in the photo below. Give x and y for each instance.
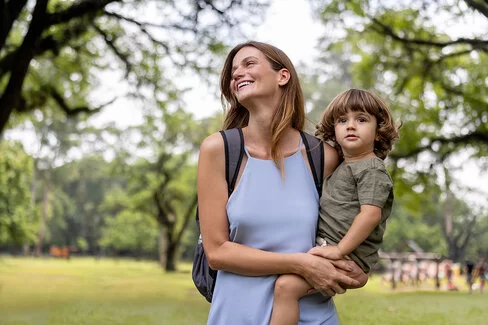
(269, 222)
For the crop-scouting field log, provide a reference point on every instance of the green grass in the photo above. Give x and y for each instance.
(106, 292)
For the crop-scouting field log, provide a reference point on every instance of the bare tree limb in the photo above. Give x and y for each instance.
(48, 43)
(147, 24)
(474, 43)
(482, 9)
(9, 12)
(186, 219)
(452, 55)
(110, 41)
(476, 136)
(459, 92)
(77, 10)
(11, 96)
(76, 110)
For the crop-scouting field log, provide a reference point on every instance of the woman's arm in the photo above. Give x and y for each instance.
(222, 253)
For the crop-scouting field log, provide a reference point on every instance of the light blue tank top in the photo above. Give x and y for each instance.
(271, 214)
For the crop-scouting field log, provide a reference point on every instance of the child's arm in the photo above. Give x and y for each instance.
(363, 224)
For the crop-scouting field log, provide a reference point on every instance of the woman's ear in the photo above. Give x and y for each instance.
(284, 77)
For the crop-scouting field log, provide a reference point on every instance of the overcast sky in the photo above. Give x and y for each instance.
(289, 26)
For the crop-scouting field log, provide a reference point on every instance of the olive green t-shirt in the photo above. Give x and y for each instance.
(352, 184)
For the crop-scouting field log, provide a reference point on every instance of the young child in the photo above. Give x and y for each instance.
(356, 198)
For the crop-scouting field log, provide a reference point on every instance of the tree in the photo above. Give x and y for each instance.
(401, 51)
(55, 134)
(78, 212)
(130, 230)
(52, 52)
(17, 216)
(157, 161)
(405, 51)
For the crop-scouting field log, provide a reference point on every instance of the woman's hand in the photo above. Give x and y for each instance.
(344, 266)
(323, 276)
(352, 270)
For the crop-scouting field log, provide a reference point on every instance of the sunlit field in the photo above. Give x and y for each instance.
(89, 291)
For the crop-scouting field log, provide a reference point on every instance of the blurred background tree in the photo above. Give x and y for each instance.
(55, 57)
(107, 189)
(53, 53)
(17, 224)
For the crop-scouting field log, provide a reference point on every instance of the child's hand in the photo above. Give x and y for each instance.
(329, 252)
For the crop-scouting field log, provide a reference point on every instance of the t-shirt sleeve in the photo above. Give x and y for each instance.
(374, 187)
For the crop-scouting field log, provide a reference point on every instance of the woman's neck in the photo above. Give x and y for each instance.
(257, 137)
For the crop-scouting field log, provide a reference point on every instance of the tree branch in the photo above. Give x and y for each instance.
(110, 41)
(77, 110)
(146, 24)
(474, 43)
(8, 14)
(476, 136)
(469, 232)
(482, 9)
(10, 98)
(452, 55)
(189, 213)
(78, 10)
(48, 43)
(458, 92)
(162, 216)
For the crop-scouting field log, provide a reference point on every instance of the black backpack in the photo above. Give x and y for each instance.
(203, 276)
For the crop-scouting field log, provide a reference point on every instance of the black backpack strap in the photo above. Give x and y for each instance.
(234, 151)
(315, 154)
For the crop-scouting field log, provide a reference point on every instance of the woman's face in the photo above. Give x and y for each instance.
(253, 77)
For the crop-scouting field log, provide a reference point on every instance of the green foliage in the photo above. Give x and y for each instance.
(130, 230)
(403, 228)
(79, 188)
(17, 219)
(158, 164)
(75, 45)
(416, 62)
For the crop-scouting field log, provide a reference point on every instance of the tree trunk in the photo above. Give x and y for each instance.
(163, 245)
(42, 228)
(25, 250)
(171, 257)
(455, 253)
(12, 94)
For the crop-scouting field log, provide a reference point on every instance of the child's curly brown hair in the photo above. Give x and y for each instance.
(358, 100)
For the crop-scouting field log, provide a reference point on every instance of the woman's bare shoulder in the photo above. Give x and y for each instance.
(213, 144)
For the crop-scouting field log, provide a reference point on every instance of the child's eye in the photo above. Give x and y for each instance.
(341, 120)
(362, 119)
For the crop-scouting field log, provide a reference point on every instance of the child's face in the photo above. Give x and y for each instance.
(355, 132)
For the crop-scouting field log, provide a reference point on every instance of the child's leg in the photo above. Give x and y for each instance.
(289, 288)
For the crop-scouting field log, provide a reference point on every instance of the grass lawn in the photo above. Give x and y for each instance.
(109, 292)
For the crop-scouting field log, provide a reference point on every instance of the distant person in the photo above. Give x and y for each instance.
(449, 273)
(481, 270)
(356, 199)
(268, 224)
(469, 269)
